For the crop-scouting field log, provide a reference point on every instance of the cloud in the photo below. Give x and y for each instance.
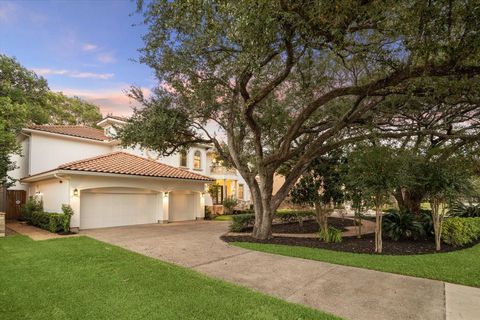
(8, 12)
(110, 100)
(88, 47)
(106, 58)
(73, 74)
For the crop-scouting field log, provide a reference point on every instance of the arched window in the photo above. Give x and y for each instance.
(183, 158)
(197, 160)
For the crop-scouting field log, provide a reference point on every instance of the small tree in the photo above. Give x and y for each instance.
(374, 171)
(320, 187)
(445, 182)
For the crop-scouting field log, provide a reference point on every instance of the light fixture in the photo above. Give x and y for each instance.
(165, 194)
(75, 192)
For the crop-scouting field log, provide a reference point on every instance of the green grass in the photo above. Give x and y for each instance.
(81, 278)
(223, 217)
(460, 267)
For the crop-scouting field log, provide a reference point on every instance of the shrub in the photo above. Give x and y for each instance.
(67, 216)
(229, 203)
(31, 205)
(242, 221)
(426, 219)
(460, 231)
(459, 209)
(398, 225)
(52, 222)
(295, 215)
(334, 235)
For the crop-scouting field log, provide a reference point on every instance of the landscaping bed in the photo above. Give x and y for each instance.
(366, 244)
(309, 226)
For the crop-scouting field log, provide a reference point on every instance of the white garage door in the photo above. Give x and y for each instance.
(100, 210)
(181, 206)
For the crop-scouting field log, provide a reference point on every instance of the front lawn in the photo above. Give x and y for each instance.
(223, 217)
(81, 278)
(460, 267)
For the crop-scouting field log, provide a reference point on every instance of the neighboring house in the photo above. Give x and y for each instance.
(108, 185)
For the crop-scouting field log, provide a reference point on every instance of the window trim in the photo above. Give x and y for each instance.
(198, 154)
(183, 156)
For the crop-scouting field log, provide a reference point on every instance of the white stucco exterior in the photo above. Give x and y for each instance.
(158, 199)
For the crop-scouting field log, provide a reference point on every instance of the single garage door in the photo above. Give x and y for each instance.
(110, 208)
(181, 206)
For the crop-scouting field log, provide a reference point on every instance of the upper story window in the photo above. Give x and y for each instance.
(240, 192)
(183, 158)
(197, 160)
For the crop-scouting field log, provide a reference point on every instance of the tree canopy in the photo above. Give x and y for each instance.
(289, 81)
(25, 98)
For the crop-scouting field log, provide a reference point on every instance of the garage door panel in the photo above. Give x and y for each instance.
(100, 210)
(181, 207)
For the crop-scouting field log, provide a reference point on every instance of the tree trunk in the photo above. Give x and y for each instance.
(409, 200)
(262, 204)
(358, 222)
(322, 220)
(378, 229)
(437, 223)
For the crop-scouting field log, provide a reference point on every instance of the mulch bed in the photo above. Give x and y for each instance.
(309, 226)
(351, 244)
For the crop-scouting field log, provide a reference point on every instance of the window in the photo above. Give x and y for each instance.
(240, 191)
(197, 160)
(183, 158)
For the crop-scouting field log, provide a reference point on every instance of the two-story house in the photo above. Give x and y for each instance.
(108, 185)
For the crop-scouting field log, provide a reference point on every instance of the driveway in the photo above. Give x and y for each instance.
(348, 292)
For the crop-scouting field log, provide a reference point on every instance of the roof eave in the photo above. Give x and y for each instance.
(54, 174)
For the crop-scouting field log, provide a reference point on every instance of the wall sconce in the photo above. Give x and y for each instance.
(38, 194)
(165, 194)
(75, 192)
(203, 194)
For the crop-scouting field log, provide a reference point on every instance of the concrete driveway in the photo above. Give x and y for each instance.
(348, 292)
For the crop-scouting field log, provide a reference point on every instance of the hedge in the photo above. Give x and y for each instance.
(460, 231)
(294, 215)
(52, 222)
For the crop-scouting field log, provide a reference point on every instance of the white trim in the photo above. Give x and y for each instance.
(53, 173)
(66, 136)
(107, 119)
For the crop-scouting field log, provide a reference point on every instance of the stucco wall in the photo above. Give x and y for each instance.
(53, 193)
(84, 182)
(48, 152)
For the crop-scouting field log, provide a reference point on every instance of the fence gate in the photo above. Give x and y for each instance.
(15, 200)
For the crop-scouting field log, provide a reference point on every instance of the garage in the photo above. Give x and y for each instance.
(113, 207)
(182, 205)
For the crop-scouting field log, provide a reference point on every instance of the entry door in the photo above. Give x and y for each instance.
(15, 200)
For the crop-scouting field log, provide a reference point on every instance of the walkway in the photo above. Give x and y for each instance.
(352, 293)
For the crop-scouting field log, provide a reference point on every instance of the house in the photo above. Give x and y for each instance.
(108, 185)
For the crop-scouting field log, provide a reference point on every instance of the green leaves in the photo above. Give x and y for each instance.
(25, 98)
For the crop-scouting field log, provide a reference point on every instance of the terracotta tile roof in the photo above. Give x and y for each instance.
(126, 163)
(74, 131)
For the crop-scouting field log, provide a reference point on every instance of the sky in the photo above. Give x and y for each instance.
(83, 48)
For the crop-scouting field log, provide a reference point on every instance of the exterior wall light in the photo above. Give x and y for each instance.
(165, 194)
(75, 192)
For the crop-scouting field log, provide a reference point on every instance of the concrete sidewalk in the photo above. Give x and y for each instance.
(352, 293)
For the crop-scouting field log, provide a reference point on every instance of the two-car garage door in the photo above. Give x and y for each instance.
(113, 207)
